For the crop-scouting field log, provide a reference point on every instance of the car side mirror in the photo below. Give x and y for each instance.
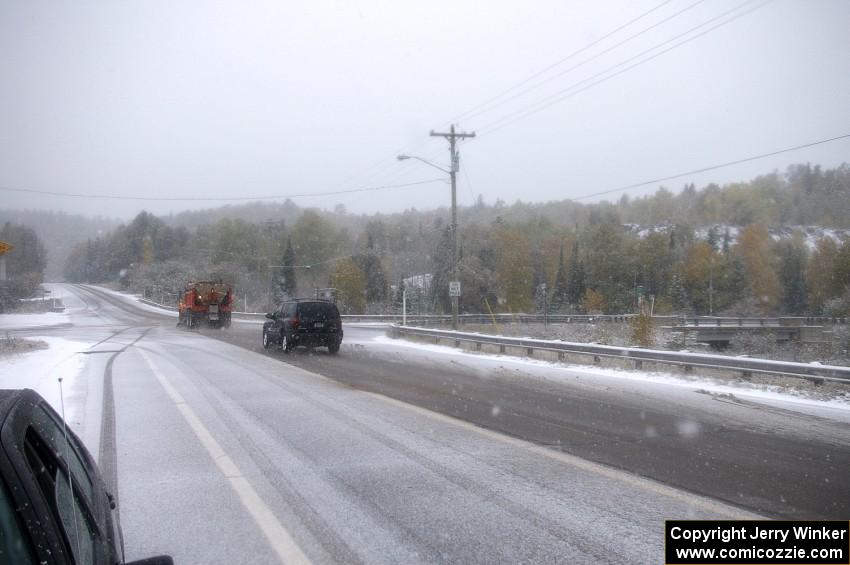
(270, 315)
(158, 560)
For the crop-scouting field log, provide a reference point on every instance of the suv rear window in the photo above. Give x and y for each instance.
(318, 310)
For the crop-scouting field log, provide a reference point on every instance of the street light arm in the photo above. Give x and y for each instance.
(427, 162)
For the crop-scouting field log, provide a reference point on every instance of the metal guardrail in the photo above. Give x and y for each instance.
(687, 361)
(487, 319)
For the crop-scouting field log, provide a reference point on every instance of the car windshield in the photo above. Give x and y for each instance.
(446, 281)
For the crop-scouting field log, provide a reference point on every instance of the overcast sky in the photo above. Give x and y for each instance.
(199, 99)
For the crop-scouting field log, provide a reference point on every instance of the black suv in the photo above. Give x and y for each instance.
(310, 323)
(54, 506)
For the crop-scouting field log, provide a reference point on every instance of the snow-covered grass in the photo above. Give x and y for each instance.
(41, 369)
(11, 345)
(831, 397)
(26, 321)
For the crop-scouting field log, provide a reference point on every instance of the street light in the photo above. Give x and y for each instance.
(454, 286)
(426, 161)
(454, 165)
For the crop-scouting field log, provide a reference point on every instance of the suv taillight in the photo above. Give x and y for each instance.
(296, 322)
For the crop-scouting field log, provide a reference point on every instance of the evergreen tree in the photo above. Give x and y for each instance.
(576, 279)
(398, 297)
(792, 263)
(376, 282)
(713, 238)
(560, 294)
(286, 283)
(678, 294)
(841, 270)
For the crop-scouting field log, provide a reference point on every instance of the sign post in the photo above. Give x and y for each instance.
(454, 292)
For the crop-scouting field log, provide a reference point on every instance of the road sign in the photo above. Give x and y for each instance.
(454, 288)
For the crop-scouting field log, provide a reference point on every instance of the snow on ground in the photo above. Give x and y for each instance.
(25, 321)
(41, 370)
(801, 399)
(811, 234)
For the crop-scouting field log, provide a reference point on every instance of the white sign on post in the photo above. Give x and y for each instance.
(454, 288)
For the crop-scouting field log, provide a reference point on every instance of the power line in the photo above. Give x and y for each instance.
(473, 113)
(565, 93)
(520, 114)
(712, 167)
(556, 63)
(220, 199)
(379, 168)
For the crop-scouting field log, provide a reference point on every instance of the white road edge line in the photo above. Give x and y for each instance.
(596, 468)
(278, 537)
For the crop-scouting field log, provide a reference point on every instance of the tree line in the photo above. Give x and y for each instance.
(708, 251)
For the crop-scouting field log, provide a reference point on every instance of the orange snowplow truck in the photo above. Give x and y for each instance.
(206, 303)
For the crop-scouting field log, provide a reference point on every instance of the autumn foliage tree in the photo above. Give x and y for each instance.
(755, 248)
(514, 271)
(350, 283)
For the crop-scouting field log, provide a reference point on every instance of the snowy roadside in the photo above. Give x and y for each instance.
(833, 399)
(28, 321)
(44, 359)
(41, 369)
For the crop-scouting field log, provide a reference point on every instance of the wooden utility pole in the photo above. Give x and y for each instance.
(454, 167)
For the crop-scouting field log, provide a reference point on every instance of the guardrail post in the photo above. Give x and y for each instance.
(638, 364)
(501, 348)
(530, 351)
(597, 360)
(747, 375)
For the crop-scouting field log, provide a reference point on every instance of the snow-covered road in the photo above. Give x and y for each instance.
(226, 455)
